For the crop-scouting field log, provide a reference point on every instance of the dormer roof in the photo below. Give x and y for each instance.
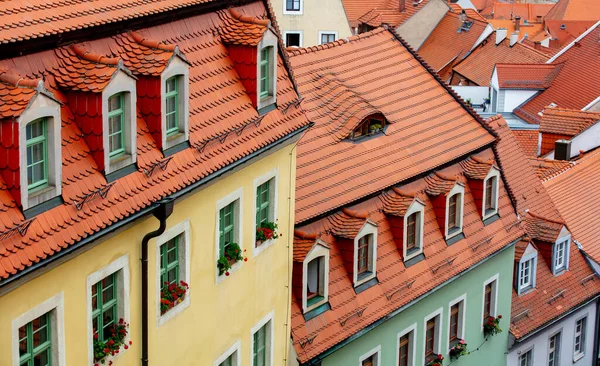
(396, 202)
(476, 167)
(541, 228)
(16, 92)
(440, 183)
(145, 56)
(303, 244)
(347, 223)
(242, 30)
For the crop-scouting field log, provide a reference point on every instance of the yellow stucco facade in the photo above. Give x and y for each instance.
(222, 311)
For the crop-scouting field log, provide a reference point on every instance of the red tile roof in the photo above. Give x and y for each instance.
(542, 305)
(567, 121)
(547, 168)
(377, 12)
(476, 167)
(446, 47)
(219, 106)
(397, 285)
(574, 10)
(144, 56)
(478, 66)
(526, 76)
(528, 140)
(78, 69)
(528, 12)
(15, 93)
(342, 83)
(565, 31)
(542, 228)
(347, 223)
(571, 88)
(241, 29)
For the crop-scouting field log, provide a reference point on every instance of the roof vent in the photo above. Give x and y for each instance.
(562, 150)
(514, 38)
(501, 34)
(563, 27)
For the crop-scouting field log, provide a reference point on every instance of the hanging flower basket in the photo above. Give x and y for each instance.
(491, 326)
(460, 349)
(437, 361)
(172, 295)
(232, 254)
(112, 345)
(266, 231)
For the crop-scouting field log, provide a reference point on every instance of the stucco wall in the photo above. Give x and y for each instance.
(491, 353)
(316, 16)
(514, 98)
(416, 29)
(219, 314)
(566, 326)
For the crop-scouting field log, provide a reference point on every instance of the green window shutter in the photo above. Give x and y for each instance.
(259, 352)
(116, 125)
(226, 227)
(172, 105)
(35, 342)
(264, 71)
(169, 262)
(262, 203)
(37, 154)
(104, 306)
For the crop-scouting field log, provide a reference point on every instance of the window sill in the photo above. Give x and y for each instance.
(256, 250)
(174, 140)
(174, 311)
(455, 237)
(41, 195)
(363, 278)
(293, 12)
(488, 219)
(578, 356)
(316, 310)
(234, 268)
(119, 162)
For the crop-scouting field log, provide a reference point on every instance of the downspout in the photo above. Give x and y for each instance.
(162, 212)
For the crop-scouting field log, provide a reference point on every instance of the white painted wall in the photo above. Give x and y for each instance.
(514, 98)
(586, 141)
(475, 93)
(567, 328)
(416, 29)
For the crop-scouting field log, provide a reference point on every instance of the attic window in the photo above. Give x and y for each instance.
(413, 229)
(454, 211)
(372, 125)
(560, 255)
(315, 278)
(466, 26)
(266, 71)
(175, 103)
(490, 194)
(365, 254)
(116, 124)
(315, 283)
(37, 154)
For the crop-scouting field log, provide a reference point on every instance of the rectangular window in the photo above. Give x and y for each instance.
(262, 203)
(104, 306)
(370, 361)
(454, 319)
(292, 5)
(229, 361)
(314, 289)
(169, 262)
(559, 256)
(452, 212)
(37, 154)
(260, 353)
(363, 253)
(404, 350)
(226, 227)
(487, 301)
(327, 37)
(116, 125)
(525, 277)
(489, 194)
(430, 338)
(292, 39)
(35, 347)
(526, 358)
(579, 347)
(554, 350)
(411, 232)
(265, 56)
(172, 104)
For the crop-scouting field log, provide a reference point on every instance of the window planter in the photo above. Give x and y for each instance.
(172, 295)
(112, 345)
(459, 349)
(266, 232)
(492, 326)
(232, 254)
(437, 361)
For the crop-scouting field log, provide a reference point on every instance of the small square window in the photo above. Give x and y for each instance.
(327, 38)
(292, 5)
(293, 39)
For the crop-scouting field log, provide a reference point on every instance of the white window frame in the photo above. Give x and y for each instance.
(124, 83)
(524, 353)
(564, 236)
(237, 195)
(298, 32)
(183, 229)
(318, 250)
(577, 355)
(437, 347)
(179, 68)
(269, 40)
(412, 344)
(462, 309)
(457, 189)
(493, 173)
(270, 351)
(54, 306)
(367, 229)
(495, 280)
(235, 349)
(293, 12)
(374, 352)
(557, 347)
(328, 32)
(121, 267)
(273, 208)
(41, 106)
(415, 207)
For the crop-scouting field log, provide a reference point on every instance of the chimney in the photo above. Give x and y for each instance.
(514, 38)
(539, 18)
(562, 150)
(500, 35)
(537, 45)
(517, 23)
(402, 5)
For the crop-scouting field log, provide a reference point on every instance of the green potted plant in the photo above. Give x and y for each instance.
(374, 128)
(231, 255)
(266, 231)
(459, 349)
(437, 361)
(111, 346)
(171, 295)
(468, 101)
(491, 326)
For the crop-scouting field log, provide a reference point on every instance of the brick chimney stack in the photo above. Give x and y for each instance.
(402, 5)
(517, 23)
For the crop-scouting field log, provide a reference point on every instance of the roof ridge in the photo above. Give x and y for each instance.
(150, 43)
(538, 216)
(84, 54)
(16, 80)
(304, 235)
(247, 18)
(301, 50)
(561, 109)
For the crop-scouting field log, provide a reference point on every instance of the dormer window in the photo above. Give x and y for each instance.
(490, 193)
(116, 125)
(37, 154)
(175, 106)
(371, 125)
(526, 269)
(172, 108)
(454, 211)
(265, 71)
(315, 284)
(365, 249)
(364, 254)
(525, 275)
(413, 229)
(560, 254)
(315, 277)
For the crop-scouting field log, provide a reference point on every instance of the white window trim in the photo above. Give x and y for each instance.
(176, 67)
(271, 351)
(554, 333)
(121, 82)
(494, 307)
(367, 229)
(457, 189)
(579, 355)
(274, 198)
(299, 32)
(54, 306)
(532, 272)
(375, 351)
(318, 250)
(269, 40)
(493, 173)
(293, 12)
(437, 347)
(462, 310)
(41, 106)
(123, 285)
(183, 228)
(235, 348)
(413, 351)
(415, 206)
(237, 195)
(328, 32)
(528, 349)
(563, 236)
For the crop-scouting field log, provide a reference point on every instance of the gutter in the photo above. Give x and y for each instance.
(315, 361)
(145, 211)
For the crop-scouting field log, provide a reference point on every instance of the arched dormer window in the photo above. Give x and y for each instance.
(413, 230)
(315, 289)
(371, 125)
(365, 249)
(175, 103)
(560, 252)
(526, 271)
(267, 70)
(454, 211)
(490, 193)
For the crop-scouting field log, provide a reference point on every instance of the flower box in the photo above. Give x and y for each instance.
(266, 231)
(437, 361)
(233, 254)
(459, 349)
(491, 326)
(112, 345)
(172, 295)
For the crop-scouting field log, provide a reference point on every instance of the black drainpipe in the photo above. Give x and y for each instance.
(162, 212)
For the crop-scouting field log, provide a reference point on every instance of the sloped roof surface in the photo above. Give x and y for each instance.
(567, 121)
(528, 140)
(479, 65)
(80, 70)
(526, 76)
(572, 88)
(525, 11)
(384, 10)
(144, 56)
(426, 126)
(574, 10)
(565, 31)
(526, 31)
(547, 168)
(15, 93)
(243, 30)
(219, 105)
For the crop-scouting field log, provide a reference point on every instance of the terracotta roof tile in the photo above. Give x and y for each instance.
(541, 228)
(477, 167)
(574, 10)
(526, 76)
(15, 93)
(381, 11)
(303, 243)
(567, 121)
(395, 202)
(347, 223)
(440, 184)
(547, 168)
(525, 11)
(371, 66)
(528, 140)
(143, 56)
(241, 29)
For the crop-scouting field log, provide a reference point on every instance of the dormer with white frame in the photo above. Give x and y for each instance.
(413, 230)
(315, 277)
(454, 211)
(267, 70)
(365, 254)
(561, 252)
(489, 203)
(526, 270)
